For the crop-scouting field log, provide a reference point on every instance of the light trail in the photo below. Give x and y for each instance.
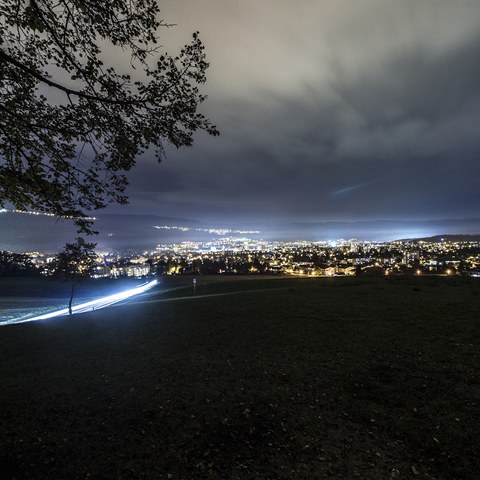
(218, 231)
(44, 214)
(94, 304)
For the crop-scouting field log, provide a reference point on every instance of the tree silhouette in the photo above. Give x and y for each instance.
(16, 265)
(74, 263)
(71, 123)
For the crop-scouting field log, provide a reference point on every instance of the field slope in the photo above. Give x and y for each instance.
(281, 379)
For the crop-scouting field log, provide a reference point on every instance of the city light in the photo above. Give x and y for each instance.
(217, 231)
(44, 214)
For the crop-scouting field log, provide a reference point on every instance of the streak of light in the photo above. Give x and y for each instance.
(351, 188)
(94, 304)
(44, 214)
(218, 231)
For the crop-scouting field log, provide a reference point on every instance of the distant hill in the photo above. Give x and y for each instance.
(370, 230)
(445, 238)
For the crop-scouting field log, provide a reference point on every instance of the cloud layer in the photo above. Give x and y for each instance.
(331, 110)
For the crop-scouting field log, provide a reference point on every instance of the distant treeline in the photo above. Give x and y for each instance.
(17, 265)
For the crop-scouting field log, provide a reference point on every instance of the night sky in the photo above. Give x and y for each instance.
(329, 111)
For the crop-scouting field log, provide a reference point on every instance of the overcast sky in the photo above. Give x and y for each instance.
(328, 110)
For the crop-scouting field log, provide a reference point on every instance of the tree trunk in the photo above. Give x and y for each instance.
(71, 295)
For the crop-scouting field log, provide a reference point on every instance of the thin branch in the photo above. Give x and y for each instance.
(67, 90)
(61, 46)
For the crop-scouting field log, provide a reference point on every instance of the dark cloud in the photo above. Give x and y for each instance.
(327, 110)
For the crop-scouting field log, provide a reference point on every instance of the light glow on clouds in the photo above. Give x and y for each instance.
(313, 97)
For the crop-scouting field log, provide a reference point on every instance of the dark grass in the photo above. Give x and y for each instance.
(328, 378)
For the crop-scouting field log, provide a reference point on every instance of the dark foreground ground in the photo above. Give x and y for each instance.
(312, 379)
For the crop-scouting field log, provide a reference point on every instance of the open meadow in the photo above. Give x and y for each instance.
(369, 378)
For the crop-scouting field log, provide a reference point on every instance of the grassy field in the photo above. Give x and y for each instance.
(271, 379)
(24, 297)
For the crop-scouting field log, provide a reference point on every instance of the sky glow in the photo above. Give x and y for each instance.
(344, 110)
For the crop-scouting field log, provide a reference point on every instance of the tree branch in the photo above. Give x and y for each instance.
(67, 90)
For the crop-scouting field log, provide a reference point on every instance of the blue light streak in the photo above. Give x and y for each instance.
(93, 304)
